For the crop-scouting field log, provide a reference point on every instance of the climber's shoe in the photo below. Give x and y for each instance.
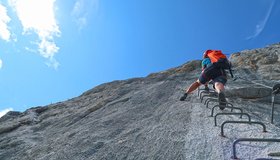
(222, 100)
(184, 97)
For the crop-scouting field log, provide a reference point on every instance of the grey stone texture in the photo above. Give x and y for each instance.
(143, 119)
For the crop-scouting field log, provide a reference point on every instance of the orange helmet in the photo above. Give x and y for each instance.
(205, 54)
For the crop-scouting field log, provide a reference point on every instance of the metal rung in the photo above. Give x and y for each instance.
(210, 99)
(198, 91)
(200, 95)
(215, 119)
(215, 100)
(275, 91)
(244, 122)
(274, 154)
(251, 140)
(209, 95)
(212, 112)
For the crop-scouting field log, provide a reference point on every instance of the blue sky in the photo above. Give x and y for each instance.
(54, 50)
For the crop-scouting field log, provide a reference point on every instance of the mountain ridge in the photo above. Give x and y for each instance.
(142, 118)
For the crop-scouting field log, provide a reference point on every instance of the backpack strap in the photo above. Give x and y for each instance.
(230, 70)
(224, 64)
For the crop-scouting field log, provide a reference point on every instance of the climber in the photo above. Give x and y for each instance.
(214, 72)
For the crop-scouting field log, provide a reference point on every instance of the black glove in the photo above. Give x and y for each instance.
(184, 97)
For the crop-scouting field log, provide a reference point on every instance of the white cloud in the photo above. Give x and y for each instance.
(261, 25)
(82, 10)
(3, 112)
(39, 17)
(53, 63)
(4, 20)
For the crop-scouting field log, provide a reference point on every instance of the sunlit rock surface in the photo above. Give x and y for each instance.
(142, 118)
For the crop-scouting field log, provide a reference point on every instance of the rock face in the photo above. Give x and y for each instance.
(142, 118)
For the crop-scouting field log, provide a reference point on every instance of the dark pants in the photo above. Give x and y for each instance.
(213, 73)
